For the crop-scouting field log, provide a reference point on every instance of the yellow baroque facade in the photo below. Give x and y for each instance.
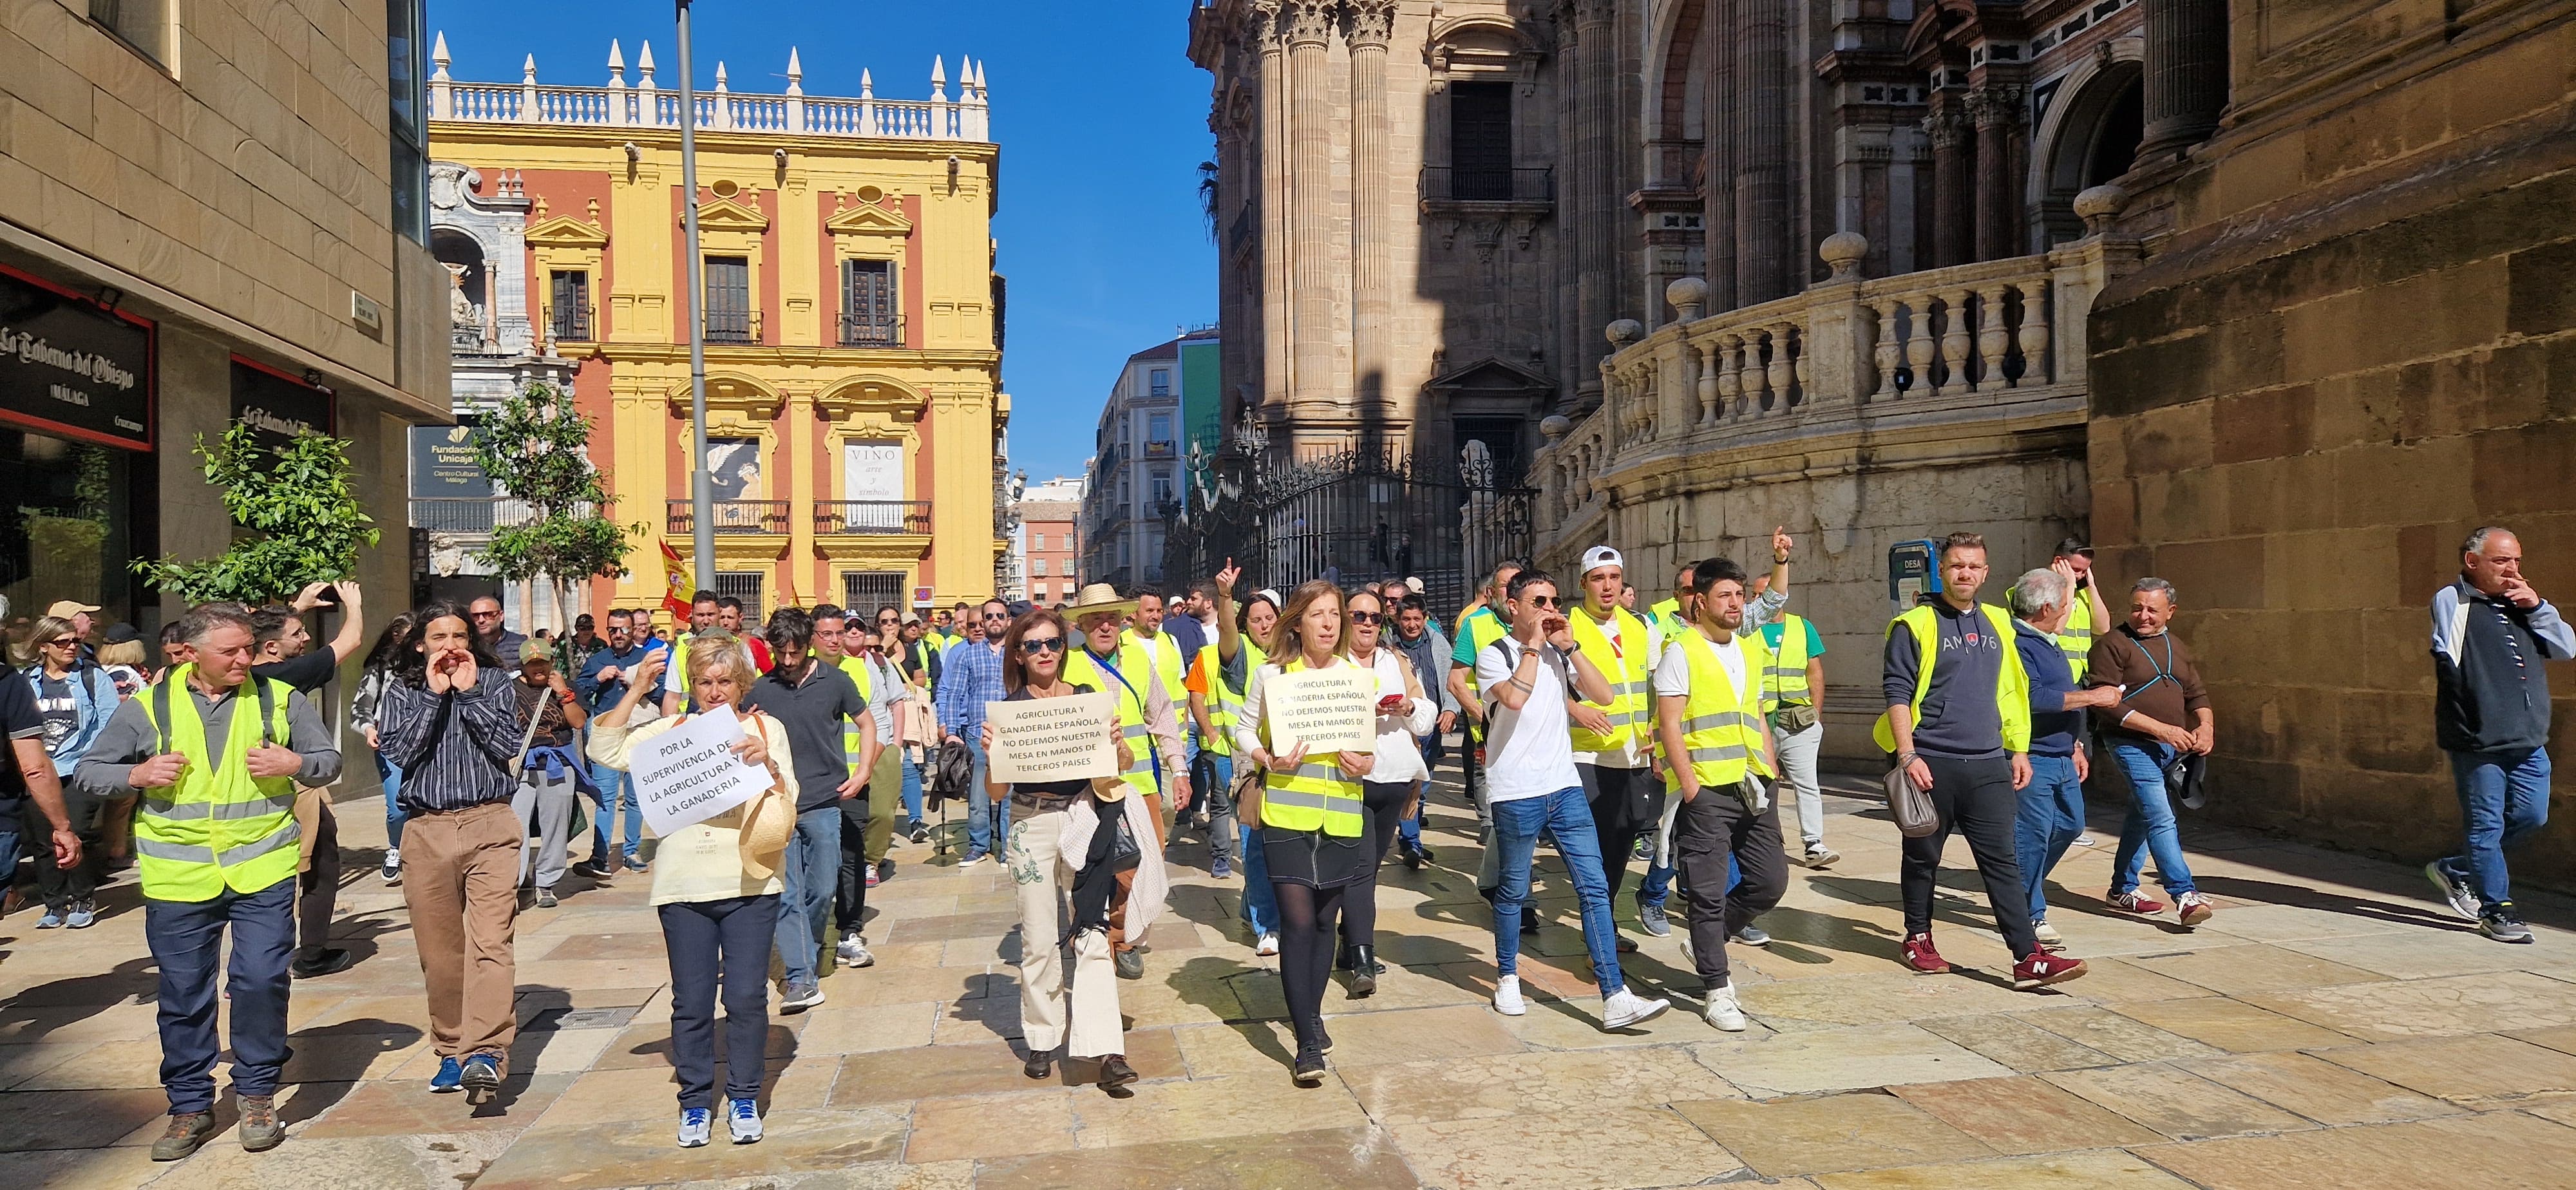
(853, 318)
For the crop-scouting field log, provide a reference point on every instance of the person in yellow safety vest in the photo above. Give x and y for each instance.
(705, 611)
(2085, 613)
(1674, 612)
(1239, 654)
(215, 764)
(1958, 722)
(1720, 766)
(1312, 824)
(863, 819)
(1156, 650)
(1614, 742)
(1478, 628)
(1793, 696)
(1145, 708)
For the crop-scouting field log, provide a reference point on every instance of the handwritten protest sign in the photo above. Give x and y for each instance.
(1054, 739)
(1328, 710)
(689, 774)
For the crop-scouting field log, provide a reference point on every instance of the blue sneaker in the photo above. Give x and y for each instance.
(742, 1116)
(83, 915)
(52, 920)
(696, 1125)
(450, 1077)
(482, 1077)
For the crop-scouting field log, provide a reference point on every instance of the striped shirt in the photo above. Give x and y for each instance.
(454, 749)
(969, 676)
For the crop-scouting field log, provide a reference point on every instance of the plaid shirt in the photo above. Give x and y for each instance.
(969, 676)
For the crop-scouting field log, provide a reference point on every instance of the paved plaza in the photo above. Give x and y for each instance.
(2332, 1027)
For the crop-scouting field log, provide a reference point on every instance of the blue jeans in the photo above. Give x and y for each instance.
(911, 791)
(2504, 796)
(2150, 825)
(1568, 818)
(987, 821)
(1657, 887)
(615, 789)
(811, 872)
(187, 941)
(1260, 905)
(1409, 829)
(391, 777)
(2049, 819)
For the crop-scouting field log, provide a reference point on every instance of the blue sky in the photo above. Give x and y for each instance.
(1101, 117)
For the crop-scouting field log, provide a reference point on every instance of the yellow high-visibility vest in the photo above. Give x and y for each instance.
(1480, 631)
(2076, 637)
(1317, 796)
(1784, 670)
(1112, 679)
(853, 743)
(219, 827)
(2012, 682)
(1721, 724)
(1162, 655)
(1632, 679)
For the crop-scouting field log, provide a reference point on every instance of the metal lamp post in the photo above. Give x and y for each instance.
(701, 493)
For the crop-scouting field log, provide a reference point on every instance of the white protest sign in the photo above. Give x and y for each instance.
(1054, 739)
(1328, 710)
(689, 774)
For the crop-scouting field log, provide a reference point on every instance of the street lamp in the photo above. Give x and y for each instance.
(702, 506)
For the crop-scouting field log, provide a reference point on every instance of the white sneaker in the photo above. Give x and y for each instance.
(1268, 944)
(2045, 932)
(1624, 1009)
(2083, 841)
(1507, 996)
(853, 952)
(1722, 1011)
(742, 1118)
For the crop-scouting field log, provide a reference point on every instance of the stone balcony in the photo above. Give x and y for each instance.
(1848, 374)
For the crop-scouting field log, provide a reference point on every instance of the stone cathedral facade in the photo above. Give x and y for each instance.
(2264, 297)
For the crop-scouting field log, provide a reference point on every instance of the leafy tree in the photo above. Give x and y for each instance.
(295, 499)
(533, 447)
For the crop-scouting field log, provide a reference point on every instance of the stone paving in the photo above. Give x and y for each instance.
(2331, 1027)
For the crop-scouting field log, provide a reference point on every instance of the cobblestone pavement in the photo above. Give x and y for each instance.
(2331, 1027)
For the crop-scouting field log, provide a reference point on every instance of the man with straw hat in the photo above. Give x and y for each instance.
(1145, 708)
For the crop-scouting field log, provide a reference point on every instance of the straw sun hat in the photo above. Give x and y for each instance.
(768, 819)
(1098, 597)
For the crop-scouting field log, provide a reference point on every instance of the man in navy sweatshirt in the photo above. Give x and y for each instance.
(2491, 632)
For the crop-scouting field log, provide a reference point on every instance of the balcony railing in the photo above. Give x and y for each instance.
(860, 331)
(733, 326)
(1533, 184)
(731, 516)
(1999, 340)
(645, 104)
(572, 324)
(468, 514)
(873, 518)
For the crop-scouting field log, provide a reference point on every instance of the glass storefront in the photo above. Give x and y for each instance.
(73, 517)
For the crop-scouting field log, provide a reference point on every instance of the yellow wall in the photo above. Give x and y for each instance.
(832, 199)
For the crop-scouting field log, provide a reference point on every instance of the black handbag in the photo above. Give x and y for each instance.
(1124, 853)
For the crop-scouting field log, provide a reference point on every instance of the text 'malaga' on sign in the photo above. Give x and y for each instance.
(1054, 739)
(689, 774)
(1328, 710)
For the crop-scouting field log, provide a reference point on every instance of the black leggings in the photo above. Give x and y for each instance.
(1382, 804)
(1306, 917)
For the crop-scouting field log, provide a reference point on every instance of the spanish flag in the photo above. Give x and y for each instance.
(676, 585)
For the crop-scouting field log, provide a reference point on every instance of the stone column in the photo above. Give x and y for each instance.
(1311, 217)
(1372, 22)
(1765, 262)
(1597, 209)
(1951, 189)
(1997, 111)
(1261, 36)
(2186, 75)
(1718, 102)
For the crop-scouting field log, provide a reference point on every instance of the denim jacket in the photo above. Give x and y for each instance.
(95, 694)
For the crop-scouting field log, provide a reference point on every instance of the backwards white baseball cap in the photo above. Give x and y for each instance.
(1600, 556)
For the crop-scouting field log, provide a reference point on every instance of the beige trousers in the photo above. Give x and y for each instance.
(1044, 882)
(461, 883)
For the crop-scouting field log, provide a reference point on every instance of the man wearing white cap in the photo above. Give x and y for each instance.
(1614, 749)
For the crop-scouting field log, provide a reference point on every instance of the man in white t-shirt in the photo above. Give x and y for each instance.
(1734, 823)
(1532, 786)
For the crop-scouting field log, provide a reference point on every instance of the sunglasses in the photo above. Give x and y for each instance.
(1042, 644)
(997, 616)
(1546, 601)
(62, 641)
(1367, 618)
(485, 615)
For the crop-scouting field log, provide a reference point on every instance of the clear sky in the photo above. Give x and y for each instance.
(1101, 117)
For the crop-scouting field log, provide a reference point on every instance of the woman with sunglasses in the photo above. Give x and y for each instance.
(1311, 821)
(1242, 638)
(75, 700)
(1062, 836)
(1394, 786)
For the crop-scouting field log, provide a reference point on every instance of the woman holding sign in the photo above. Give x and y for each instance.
(715, 888)
(1394, 786)
(1310, 815)
(1069, 840)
